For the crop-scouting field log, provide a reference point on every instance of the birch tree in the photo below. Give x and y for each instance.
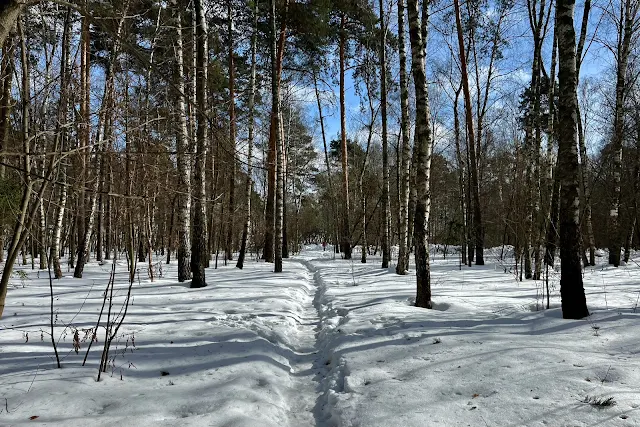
(63, 136)
(198, 241)
(422, 151)
(275, 112)
(574, 304)
(183, 161)
(403, 252)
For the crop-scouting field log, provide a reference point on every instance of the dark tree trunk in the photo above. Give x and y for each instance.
(228, 253)
(461, 179)
(628, 11)
(386, 211)
(346, 228)
(269, 235)
(471, 144)
(574, 304)
(199, 243)
(279, 145)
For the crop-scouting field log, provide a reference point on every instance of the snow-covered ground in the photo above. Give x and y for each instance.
(326, 343)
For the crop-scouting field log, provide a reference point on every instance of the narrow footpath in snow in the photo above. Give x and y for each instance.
(240, 352)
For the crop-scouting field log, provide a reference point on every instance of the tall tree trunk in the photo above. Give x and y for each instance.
(84, 134)
(403, 252)
(269, 235)
(473, 164)
(628, 12)
(232, 139)
(251, 106)
(373, 113)
(199, 243)
(102, 131)
(183, 161)
(586, 217)
(574, 304)
(84, 245)
(332, 198)
(422, 149)
(461, 176)
(275, 112)
(62, 135)
(538, 20)
(346, 228)
(130, 166)
(40, 144)
(552, 181)
(386, 212)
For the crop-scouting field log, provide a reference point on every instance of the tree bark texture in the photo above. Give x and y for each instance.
(422, 149)
(228, 253)
(386, 212)
(574, 305)
(275, 112)
(199, 239)
(403, 251)
(183, 162)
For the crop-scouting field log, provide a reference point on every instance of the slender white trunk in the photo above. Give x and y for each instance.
(423, 144)
(183, 162)
(403, 253)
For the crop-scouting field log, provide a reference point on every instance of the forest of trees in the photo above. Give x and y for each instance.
(212, 131)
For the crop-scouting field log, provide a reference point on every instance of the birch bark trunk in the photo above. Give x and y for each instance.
(199, 240)
(574, 305)
(183, 160)
(403, 253)
(422, 151)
